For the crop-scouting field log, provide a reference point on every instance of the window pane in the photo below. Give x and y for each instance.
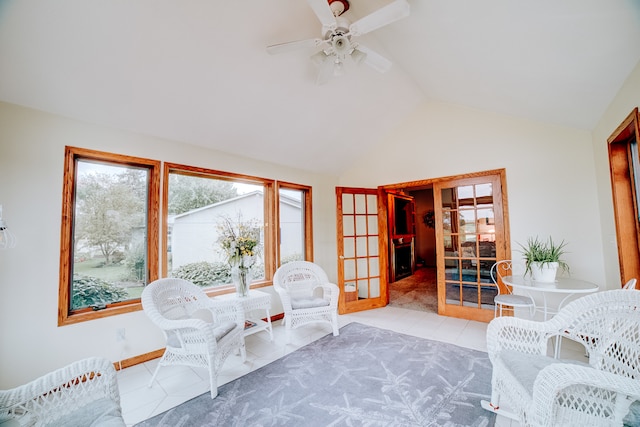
(206, 213)
(291, 225)
(109, 234)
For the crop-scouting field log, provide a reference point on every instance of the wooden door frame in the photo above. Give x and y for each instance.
(344, 306)
(624, 195)
(425, 183)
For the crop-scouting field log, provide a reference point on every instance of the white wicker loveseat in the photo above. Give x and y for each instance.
(199, 331)
(538, 390)
(307, 295)
(84, 393)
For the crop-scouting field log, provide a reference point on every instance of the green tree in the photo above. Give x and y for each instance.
(109, 207)
(188, 192)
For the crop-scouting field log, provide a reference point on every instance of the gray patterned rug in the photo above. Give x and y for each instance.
(364, 377)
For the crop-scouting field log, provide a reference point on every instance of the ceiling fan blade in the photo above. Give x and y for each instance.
(375, 60)
(385, 15)
(290, 46)
(325, 15)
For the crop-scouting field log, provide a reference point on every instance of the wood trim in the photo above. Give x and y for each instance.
(66, 231)
(624, 195)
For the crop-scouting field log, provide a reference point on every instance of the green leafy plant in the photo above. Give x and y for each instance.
(239, 240)
(543, 252)
(204, 273)
(89, 291)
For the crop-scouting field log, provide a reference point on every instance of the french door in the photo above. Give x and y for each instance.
(471, 234)
(362, 255)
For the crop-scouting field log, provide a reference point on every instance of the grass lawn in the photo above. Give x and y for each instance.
(112, 273)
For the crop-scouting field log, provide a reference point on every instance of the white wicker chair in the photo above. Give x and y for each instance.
(307, 295)
(199, 331)
(508, 299)
(538, 390)
(80, 394)
(630, 285)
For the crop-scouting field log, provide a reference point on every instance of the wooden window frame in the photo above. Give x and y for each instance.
(155, 242)
(65, 315)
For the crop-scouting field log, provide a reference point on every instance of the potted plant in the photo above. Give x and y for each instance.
(543, 259)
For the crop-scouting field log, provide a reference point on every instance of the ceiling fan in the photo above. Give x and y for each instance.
(337, 41)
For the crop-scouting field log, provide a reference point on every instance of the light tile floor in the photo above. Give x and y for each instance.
(176, 385)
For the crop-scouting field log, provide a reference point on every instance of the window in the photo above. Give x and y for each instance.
(111, 229)
(109, 233)
(198, 202)
(294, 213)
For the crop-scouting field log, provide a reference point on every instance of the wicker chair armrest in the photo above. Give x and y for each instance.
(330, 292)
(285, 298)
(555, 378)
(525, 336)
(62, 391)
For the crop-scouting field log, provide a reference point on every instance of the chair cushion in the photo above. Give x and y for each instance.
(221, 331)
(513, 300)
(525, 367)
(100, 413)
(312, 302)
(632, 419)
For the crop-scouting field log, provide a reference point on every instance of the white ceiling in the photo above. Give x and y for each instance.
(197, 70)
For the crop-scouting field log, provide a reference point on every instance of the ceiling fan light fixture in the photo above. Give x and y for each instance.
(319, 58)
(341, 45)
(358, 56)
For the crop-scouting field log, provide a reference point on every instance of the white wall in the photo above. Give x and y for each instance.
(31, 171)
(551, 184)
(624, 102)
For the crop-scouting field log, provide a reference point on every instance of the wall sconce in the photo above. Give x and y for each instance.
(7, 239)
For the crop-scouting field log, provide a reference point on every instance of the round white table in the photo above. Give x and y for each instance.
(566, 286)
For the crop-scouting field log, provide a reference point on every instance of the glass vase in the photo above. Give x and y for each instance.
(241, 278)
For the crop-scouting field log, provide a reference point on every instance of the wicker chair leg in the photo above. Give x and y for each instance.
(155, 372)
(334, 325)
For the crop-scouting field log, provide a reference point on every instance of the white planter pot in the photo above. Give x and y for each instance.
(544, 272)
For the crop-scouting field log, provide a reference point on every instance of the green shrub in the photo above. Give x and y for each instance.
(88, 291)
(204, 273)
(292, 257)
(135, 263)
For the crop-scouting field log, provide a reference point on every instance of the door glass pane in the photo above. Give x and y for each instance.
(349, 247)
(372, 203)
(373, 246)
(363, 268)
(373, 224)
(349, 269)
(361, 225)
(448, 199)
(348, 229)
(347, 204)
(361, 248)
(361, 207)
(374, 288)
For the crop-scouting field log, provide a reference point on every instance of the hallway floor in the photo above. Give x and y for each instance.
(416, 292)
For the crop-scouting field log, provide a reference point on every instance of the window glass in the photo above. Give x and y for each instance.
(207, 218)
(109, 234)
(292, 225)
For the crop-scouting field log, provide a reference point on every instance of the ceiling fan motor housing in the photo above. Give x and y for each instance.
(338, 7)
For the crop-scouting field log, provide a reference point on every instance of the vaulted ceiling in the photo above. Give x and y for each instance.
(197, 71)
